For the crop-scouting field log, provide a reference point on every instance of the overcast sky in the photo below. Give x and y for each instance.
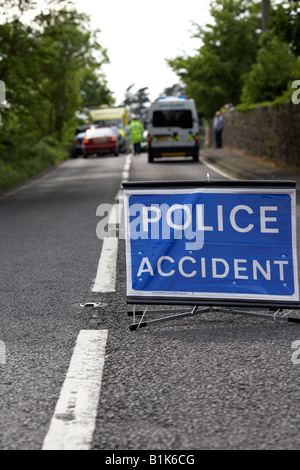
(140, 35)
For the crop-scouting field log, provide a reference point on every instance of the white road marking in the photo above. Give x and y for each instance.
(126, 169)
(114, 216)
(125, 175)
(119, 195)
(214, 168)
(105, 280)
(107, 267)
(73, 423)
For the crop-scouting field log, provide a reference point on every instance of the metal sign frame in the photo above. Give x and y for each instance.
(217, 299)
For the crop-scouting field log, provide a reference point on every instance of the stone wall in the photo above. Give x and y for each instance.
(271, 132)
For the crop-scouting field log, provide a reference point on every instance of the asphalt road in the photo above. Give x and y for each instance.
(212, 381)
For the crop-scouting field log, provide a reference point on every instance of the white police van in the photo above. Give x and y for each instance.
(173, 128)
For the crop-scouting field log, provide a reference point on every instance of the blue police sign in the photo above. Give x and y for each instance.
(229, 243)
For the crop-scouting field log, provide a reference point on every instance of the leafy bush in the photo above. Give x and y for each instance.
(49, 151)
(270, 74)
(10, 175)
(24, 162)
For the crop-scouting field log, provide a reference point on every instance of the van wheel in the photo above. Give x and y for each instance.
(150, 158)
(195, 157)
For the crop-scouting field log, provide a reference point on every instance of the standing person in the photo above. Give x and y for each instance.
(136, 130)
(218, 128)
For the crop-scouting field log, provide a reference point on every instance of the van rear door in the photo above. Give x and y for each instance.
(173, 128)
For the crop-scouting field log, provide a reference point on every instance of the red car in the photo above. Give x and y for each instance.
(100, 141)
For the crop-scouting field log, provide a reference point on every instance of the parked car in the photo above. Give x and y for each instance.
(100, 141)
(77, 145)
(119, 116)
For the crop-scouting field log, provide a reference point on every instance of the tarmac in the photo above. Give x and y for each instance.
(241, 166)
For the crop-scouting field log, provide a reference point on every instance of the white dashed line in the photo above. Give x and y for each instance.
(73, 423)
(106, 273)
(105, 280)
(126, 169)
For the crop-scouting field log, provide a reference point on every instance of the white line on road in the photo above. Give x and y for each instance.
(115, 215)
(105, 280)
(73, 423)
(125, 175)
(106, 273)
(126, 169)
(214, 168)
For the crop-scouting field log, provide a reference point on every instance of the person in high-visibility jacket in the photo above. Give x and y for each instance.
(136, 130)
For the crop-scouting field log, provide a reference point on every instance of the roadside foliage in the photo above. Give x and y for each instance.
(51, 67)
(237, 62)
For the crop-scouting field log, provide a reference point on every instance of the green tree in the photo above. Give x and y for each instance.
(137, 102)
(64, 57)
(17, 52)
(175, 90)
(271, 72)
(285, 22)
(50, 71)
(94, 90)
(213, 77)
(13, 10)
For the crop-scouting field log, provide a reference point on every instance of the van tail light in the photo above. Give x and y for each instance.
(197, 138)
(86, 141)
(112, 139)
(149, 140)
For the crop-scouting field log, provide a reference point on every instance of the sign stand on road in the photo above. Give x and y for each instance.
(227, 246)
(277, 315)
(176, 314)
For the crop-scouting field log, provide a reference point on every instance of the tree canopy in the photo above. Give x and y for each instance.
(51, 68)
(238, 63)
(229, 46)
(285, 22)
(270, 73)
(137, 102)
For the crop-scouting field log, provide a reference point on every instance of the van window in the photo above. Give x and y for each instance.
(173, 118)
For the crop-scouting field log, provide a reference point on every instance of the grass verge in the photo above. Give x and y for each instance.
(21, 163)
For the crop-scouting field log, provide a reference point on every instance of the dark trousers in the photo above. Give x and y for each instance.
(218, 137)
(137, 148)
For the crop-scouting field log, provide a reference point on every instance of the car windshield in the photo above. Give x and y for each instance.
(173, 118)
(108, 122)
